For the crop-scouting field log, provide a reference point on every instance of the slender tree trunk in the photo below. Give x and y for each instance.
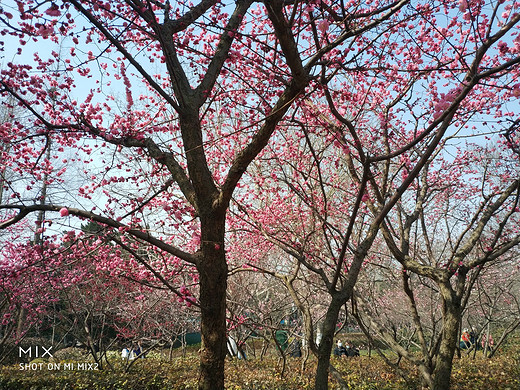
(308, 342)
(308, 338)
(170, 352)
(213, 284)
(325, 347)
(486, 345)
(444, 358)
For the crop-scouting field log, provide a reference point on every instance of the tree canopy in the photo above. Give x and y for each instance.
(325, 127)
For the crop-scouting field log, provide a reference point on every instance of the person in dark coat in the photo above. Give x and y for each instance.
(340, 350)
(352, 351)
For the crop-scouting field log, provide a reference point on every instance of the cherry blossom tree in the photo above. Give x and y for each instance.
(361, 150)
(492, 308)
(270, 293)
(462, 217)
(91, 294)
(374, 87)
(204, 88)
(24, 298)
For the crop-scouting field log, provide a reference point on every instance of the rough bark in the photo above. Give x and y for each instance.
(448, 343)
(213, 284)
(326, 344)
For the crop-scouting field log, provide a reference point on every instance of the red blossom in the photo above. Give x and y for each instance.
(53, 10)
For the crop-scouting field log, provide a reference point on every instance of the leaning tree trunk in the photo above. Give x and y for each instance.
(325, 347)
(213, 271)
(448, 344)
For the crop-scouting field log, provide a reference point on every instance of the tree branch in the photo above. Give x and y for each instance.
(23, 211)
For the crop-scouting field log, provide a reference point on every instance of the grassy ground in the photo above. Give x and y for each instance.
(155, 372)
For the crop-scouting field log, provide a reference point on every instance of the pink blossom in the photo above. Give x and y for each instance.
(45, 31)
(64, 212)
(516, 90)
(323, 25)
(53, 10)
(463, 5)
(502, 47)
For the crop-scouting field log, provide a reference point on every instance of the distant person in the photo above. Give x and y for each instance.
(137, 351)
(473, 337)
(465, 340)
(340, 350)
(125, 354)
(490, 342)
(352, 351)
(140, 351)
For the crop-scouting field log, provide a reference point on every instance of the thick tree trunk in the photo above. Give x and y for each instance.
(448, 344)
(213, 283)
(325, 347)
